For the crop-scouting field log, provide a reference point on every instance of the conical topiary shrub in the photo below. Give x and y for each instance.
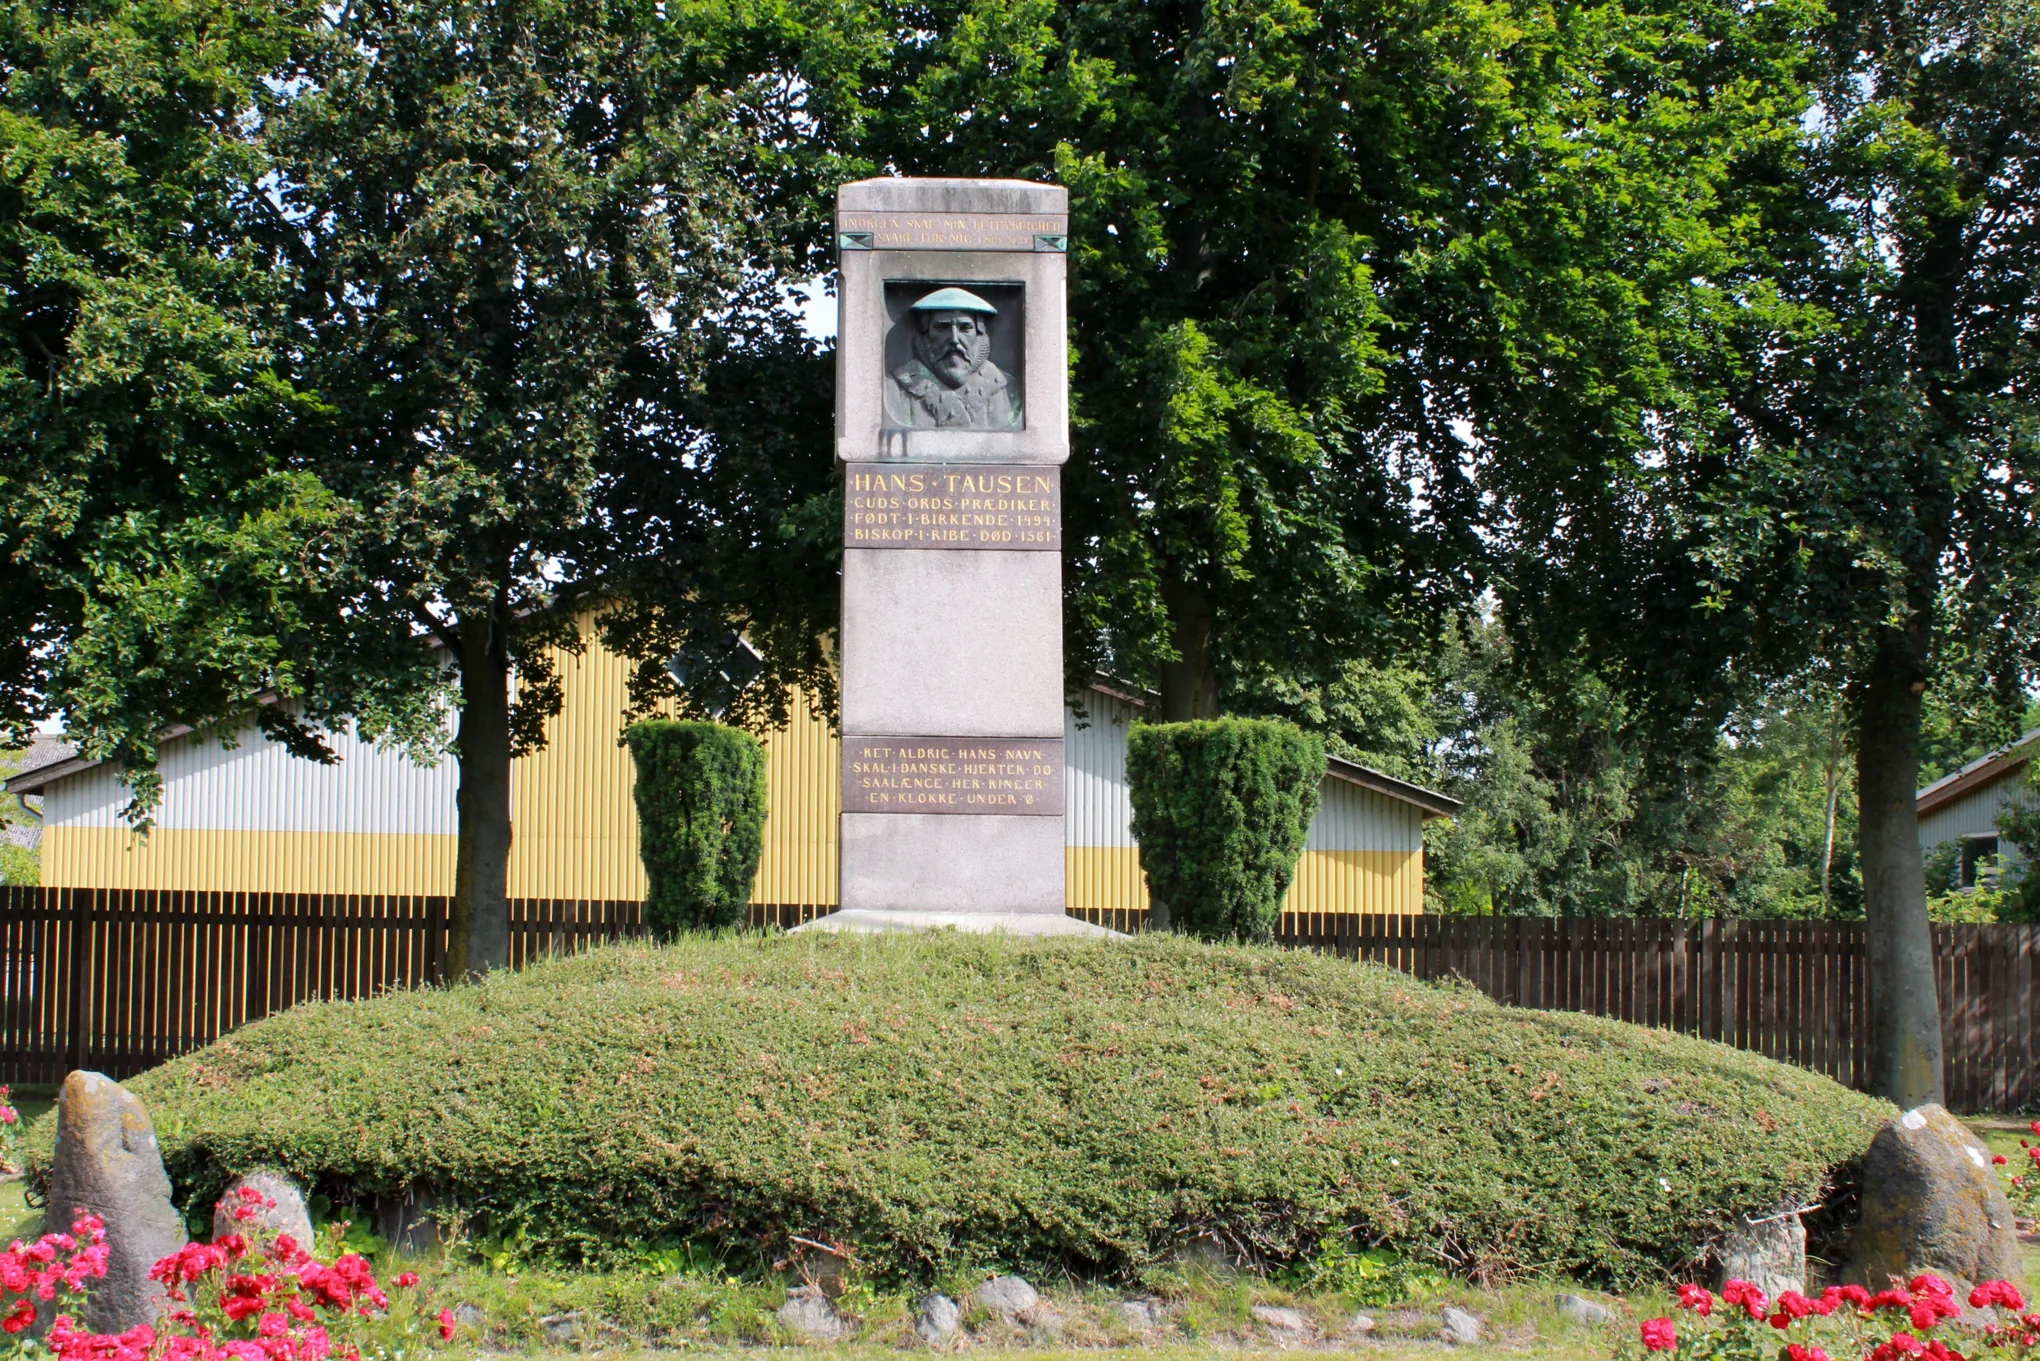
(1220, 809)
(701, 821)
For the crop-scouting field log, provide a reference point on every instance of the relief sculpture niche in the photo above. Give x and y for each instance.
(944, 353)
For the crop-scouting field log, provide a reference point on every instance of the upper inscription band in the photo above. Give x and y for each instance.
(952, 231)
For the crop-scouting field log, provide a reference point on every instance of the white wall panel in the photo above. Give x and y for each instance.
(1097, 809)
(1354, 819)
(1977, 813)
(260, 787)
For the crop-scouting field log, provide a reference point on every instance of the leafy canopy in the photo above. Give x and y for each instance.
(164, 558)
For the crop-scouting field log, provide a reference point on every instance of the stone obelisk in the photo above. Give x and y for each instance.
(952, 426)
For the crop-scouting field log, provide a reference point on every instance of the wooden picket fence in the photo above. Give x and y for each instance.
(1795, 991)
(119, 981)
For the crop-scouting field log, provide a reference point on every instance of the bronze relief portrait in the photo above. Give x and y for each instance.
(944, 354)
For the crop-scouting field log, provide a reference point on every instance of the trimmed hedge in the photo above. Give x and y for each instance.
(701, 822)
(1221, 809)
(949, 1101)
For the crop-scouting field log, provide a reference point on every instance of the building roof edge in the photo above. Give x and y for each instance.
(1985, 770)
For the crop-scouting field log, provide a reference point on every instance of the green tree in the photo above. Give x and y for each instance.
(514, 224)
(700, 794)
(737, 533)
(1220, 809)
(1571, 809)
(333, 341)
(1314, 245)
(1879, 516)
(1847, 448)
(162, 560)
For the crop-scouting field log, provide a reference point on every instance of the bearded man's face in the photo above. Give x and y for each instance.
(953, 345)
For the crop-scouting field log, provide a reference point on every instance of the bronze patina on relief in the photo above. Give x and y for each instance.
(951, 382)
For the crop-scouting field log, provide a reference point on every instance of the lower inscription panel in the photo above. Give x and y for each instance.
(953, 775)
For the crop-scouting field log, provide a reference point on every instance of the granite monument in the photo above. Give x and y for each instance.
(952, 425)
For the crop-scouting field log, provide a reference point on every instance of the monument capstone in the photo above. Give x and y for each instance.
(952, 426)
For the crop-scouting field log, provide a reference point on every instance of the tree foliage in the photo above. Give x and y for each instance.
(1846, 482)
(1318, 244)
(345, 349)
(511, 220)
(1571, 808)
(163, 558)
(729, 522)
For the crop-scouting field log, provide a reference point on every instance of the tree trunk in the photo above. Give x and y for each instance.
(479, 923)
(1905, 1016)
(1834, 794)
(1189, 684)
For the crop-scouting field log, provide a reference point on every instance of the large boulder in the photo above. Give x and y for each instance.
(1932, 1202)
(106, 1161)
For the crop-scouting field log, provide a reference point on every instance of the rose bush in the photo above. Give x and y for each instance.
(10, 1132)
(242, 1297)
(1894, 1324)
(2022, 1187)
(55, 1267)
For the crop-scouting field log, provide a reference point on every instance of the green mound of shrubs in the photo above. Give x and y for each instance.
(946, 1102)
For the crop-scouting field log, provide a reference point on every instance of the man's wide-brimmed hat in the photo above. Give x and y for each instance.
(954, 300)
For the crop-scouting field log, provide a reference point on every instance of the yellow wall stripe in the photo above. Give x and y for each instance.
(1110, 877)
(248, 862)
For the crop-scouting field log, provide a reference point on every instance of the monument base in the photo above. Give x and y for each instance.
(1013, 923)
(940, 862)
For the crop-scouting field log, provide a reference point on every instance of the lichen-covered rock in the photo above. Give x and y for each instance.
(1770, 1253)
(1459, 1328)
(1005, 1296)
(937, 1318)
(1932, 1202)
(1280, 1320)
(1043, 1318)
(263, 1204)
(1141, 1315)
(107, 1162)
(807, 1314)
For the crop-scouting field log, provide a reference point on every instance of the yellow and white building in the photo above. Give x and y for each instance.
(248, 817)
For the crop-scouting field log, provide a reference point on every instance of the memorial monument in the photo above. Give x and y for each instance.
(952, 426)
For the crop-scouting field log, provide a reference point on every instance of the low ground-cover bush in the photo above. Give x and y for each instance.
(935, 1102)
